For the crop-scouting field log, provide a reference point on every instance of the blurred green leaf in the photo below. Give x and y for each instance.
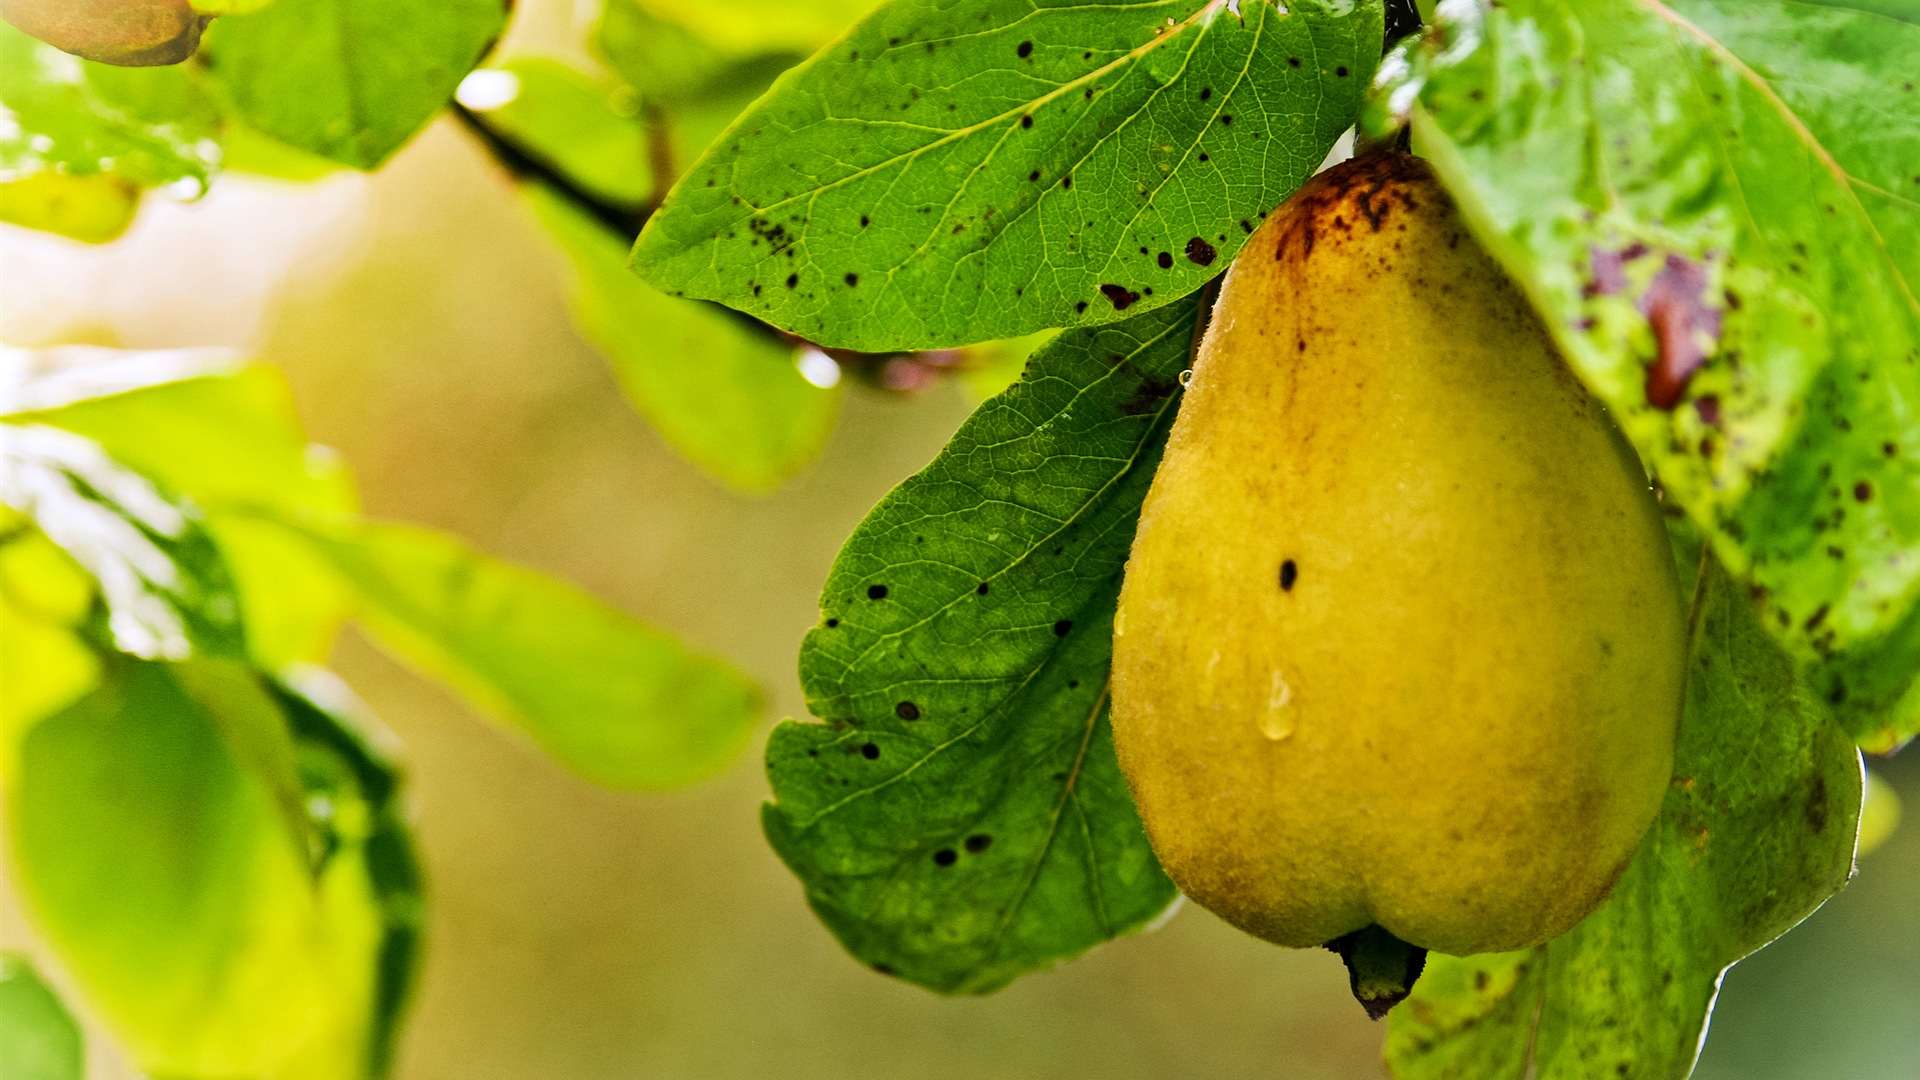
(1711, 203)
(1757, 831)
(749, 27)
(582, 127)
(349, 80)
(38, 1039)
(659, 58)
(224, 434)
(167, 590)
(954, 172)
(93, 208)
(354, 794)
(45, 600)
(960, 818)
(158, 868)
(86, 138)
(614, 699)
(724, 394)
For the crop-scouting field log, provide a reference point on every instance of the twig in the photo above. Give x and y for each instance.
(624, 220)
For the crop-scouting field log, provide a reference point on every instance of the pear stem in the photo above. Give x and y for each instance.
(1381, 968)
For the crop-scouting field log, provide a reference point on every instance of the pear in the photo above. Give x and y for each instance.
(127, 33)
(1400, 642)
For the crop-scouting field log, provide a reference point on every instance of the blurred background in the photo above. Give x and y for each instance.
(420, 316)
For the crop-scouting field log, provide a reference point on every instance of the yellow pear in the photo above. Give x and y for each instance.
(1400, 641)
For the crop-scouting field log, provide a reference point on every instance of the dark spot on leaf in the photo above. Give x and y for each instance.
(1201, 253)
(1165, 260)
(983, 587)
(1817, 804)
(831, 623)
(1289, 573)
(1226, 121)
(1034, 175)
(1025, 50)
(1067, 181)
(1061, 628)
(1204, 157)
(979, 842)
(1889, 449)
(793, 280)
(883, 969)
(1081, 306)
(865, 221)
(945, 857)
(870, 752)
(1819, 616)
(876, 592)
(1341, 71)
(1863, 492)
(1026, 121)
(1120, 296)
(1672, 305)
(1206, 92)
(852, 280)
(1293, 61)
(907, 710)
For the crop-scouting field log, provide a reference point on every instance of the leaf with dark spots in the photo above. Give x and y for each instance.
(1119, 296)
(1106, 96)
(1707, 201)
(1201, 253)
(998, 630)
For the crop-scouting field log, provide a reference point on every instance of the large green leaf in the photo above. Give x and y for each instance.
(722, 392)
(349, 80)
(1756, 832)
(960, 818)
(158, 867)
(38, 1039)
(614, 699)
(167, 590)
(954, 172)
(224, 434)
(1713, 205)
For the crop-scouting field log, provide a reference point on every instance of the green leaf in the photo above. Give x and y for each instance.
(659, 58)
(157, 867)
(960, 818)
(349, 80)
(954, 172)
(85, 138)
(1756, 832)
(38, 1039)
(167, 590)
(1713, 205)
(94, 208)
(749, 27)
(618, 701)
(224, 434)
(583, 127)
(45, 602)
(354, 793)
(723, 393)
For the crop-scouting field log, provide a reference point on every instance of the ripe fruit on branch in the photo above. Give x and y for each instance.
(1400, 643)
(130, 33)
